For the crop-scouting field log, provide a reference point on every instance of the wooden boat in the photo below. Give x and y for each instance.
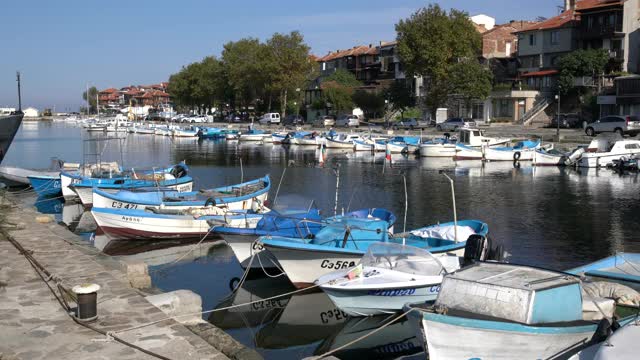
(46, 185)
(19, 175)
(465, 152)
(253, 135)
(438, 148)
(104, 169)
(505, 311)
(521, 151)
(342, 141)
(623, 268)
(544, 157)
(193, 132)
(234, 197)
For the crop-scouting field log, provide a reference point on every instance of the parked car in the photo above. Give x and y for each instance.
(328, 120)
(454, 123)
(568, 121)
(195, 119)
(348, 121)
(410, 124)
(629, 125)
(270, 118)
(293, 120)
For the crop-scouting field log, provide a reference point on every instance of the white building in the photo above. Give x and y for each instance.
(485, 20)
(6, 110)
(31, 112)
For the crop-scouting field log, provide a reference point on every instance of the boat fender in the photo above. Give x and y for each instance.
(516, 156)
(474, 249)
(210, 202)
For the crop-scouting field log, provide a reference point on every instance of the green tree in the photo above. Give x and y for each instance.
(344, 77)
(371, 104)
(93, 99)
(471, 80)
(578, 63)
(400, 97)
(431, 42)
(247, 68)
(289, 64)
(338, 88)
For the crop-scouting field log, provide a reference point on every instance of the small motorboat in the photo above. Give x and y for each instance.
(623, 268)
(191, 132)
(341, 141)
(606, 148)
(505, 311)
(19, 176)
(254, 135)
(388, 276)
(521, 151)
(234, 197)
(444, 147)
(465, 152)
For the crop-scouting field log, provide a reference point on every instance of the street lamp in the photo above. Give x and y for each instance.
(558, 116)
(386, 104)
(455, 215)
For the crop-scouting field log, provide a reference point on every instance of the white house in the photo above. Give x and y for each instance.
(31, 112)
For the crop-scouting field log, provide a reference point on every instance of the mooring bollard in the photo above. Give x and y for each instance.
(87, 295)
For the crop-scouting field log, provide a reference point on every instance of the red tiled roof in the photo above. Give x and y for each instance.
(354, 51)
(540, 73)
(567, 17)
(594, 4)
(109, 90)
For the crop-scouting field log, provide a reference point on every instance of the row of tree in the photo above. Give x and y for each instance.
(249, 72)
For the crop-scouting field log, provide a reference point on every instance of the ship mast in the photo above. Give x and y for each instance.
(19, 94)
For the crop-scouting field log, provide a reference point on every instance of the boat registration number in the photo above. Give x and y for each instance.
(121, 205)
(340, 264)
(334, 315)
(397, 292)
(130, 219)
(183, 188)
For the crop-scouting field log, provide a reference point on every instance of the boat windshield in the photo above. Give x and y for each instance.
(403, 258)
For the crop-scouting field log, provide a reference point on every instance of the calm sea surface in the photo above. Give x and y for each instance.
(553, 217)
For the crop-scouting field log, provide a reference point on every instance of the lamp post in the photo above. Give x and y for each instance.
(386, 120)
(455, 214)
(558, 116)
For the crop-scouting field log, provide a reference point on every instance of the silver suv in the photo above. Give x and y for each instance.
(622, 125)
(455, 123)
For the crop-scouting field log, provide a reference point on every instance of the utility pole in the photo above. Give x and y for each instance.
(558, 117)
(19, 94)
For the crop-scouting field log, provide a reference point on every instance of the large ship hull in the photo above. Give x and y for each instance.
(9, 126)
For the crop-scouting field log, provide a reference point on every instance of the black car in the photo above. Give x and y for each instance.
(293, 120)
(568, 121)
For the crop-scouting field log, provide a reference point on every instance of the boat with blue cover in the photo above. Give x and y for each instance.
(289, 223)
(623, 268)
(343, 242)
(506, 311)
(174, 177)
(521, 151)
(234, 197)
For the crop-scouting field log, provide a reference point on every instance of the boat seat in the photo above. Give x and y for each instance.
(605, 308)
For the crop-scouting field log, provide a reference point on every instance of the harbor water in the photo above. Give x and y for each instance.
(548, 216)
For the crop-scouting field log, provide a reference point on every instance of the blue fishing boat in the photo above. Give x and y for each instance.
(45, 185)
(521, 151)
(246, 195)
(622, 268)
(174, 177)
(506, 311)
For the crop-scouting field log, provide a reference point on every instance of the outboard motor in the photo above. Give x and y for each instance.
(575, 156)
(475, 249)
(446, 135)
(179, 171)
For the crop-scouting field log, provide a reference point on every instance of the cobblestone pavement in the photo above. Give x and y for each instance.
(33, 325)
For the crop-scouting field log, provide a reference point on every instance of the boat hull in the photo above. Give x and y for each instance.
(9, 126)
(252, 137)
(542, 159)
(595, 160)
(337, 144)
(45, 185)
(477, 339)
(467, 153)
(85, 193)
(245, 246)
(437, 150)
(508, 155)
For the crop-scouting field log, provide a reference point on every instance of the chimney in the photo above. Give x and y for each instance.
(369, 46)
(569, 4)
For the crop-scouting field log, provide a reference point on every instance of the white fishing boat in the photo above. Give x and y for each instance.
(254, 136)
(364, 145)
(470, 139)
(101, 169)
(144, 130)
(189, 133)
(20, 176)
(606, 148)
(465, 152)
(437, 149)
(96, 127)
(521, 151)
(309, 140)
(395, 148)
(388, 276)
(342, 141)
(551, 157)
(160, 224)
(504, 311)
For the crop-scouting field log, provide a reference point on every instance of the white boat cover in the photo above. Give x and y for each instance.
(402, 258)
(446, 232)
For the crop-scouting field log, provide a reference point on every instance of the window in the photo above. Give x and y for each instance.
(631, 146)
(555, 36)
(532, 39)
(590, 22)
(612, 19)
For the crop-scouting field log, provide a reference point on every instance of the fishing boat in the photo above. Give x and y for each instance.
(96, 127)
(408, 144)
(623, 268)
(443, 147)
(306, 138)
(448, 237)
(365, 144)
(279, 138)
(549, 157)
(20, 176)
(469, 140)
(505, 311)
(621, 345)
(466, 152)
(9, 125)
(341, 141)
(388, 276)
(234, 197)
(289, 223)
(174, 177)
(102, 169)
(157, 224)
(191, 132)
(521, 151)
(606, 148)
(143, 130)
(253, 135)
(395, 147)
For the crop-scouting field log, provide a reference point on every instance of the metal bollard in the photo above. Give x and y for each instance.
(87, 295)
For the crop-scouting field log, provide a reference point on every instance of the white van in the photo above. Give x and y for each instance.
(270, 118)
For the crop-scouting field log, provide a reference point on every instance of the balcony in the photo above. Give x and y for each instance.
(602, 31)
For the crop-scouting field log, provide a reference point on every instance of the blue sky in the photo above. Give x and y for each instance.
(60, 46)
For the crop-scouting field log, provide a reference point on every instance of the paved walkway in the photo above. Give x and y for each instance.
(34, 326)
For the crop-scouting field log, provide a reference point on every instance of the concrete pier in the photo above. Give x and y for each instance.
(34, 325)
